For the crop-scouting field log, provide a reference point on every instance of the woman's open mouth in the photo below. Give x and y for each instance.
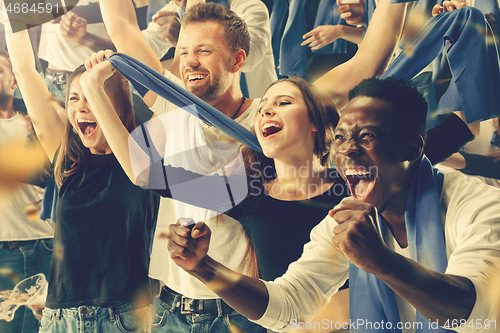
(87, 127)
(271, 128)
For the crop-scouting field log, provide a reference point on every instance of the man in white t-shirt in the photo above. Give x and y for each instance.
(258, 68)
(421, 249)
(64, 55)
(25, 243)
(210, 65)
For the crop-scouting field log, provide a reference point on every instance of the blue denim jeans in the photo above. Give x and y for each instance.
(20, 263)
(169, 319)
(121, 317)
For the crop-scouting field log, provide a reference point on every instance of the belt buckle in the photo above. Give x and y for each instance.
(84, 310)
(187, 305)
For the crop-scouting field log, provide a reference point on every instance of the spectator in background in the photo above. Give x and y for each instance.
(26, 242)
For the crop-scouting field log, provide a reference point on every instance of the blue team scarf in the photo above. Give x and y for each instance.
(145, 79)
(371, 299)
(473, 61)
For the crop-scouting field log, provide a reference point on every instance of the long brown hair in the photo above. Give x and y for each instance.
(71, 153)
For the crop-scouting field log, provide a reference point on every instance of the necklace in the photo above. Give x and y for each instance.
(239, 108)
(234, 115)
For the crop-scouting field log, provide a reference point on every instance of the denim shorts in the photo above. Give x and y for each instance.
(168, 319)
(121, 317)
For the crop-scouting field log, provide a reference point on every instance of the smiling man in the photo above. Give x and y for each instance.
(421, 249)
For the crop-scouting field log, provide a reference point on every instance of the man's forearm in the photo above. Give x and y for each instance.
(120, 20)
(121, 24)
(96, 43)
(244, 294)
(373, 54)
(353, 34)
(436, 296)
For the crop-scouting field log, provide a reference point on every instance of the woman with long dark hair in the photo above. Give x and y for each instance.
(98, 277)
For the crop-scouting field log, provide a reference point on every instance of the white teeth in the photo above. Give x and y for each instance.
(196, 77)
(353, 172)
(85, 121)
(267, 125)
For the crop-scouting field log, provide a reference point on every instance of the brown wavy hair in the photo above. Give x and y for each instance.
(235, 28)
(71, 153)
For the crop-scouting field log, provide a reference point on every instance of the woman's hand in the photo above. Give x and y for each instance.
(188, 246)
(98, 70)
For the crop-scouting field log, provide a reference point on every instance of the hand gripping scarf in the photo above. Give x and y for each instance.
(371, 300)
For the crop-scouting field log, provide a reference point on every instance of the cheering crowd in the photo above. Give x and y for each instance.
(253, 166)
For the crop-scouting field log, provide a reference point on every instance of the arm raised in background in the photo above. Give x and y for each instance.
(74, 28)
(121, 24)
(326, 34)
(48, 125)
(373, 55)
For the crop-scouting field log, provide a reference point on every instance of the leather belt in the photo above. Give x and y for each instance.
(15, 244)
(193, 306)
(57, 77)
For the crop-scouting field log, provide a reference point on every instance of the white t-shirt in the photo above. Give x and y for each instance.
(259, 65)
(228, 243)
(14, 223)
(471, 216)
(63, 53)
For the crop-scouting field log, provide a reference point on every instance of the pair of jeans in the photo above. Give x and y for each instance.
(169, 319)
(120, 317)
(19, 263)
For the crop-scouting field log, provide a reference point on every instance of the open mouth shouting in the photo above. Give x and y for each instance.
(361, 182)
(87, 127)
(270, 128)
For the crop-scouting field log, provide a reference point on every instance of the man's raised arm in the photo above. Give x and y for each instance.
(373, 54)
(121, 24)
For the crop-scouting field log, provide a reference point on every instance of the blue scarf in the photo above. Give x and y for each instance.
(371, 299)
(145, 79)
(473, 61)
